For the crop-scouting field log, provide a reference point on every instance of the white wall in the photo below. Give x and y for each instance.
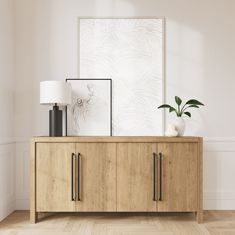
(7, 69)
(200, 54)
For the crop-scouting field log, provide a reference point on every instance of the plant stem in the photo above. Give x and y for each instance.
(178, 111)
(183, 108)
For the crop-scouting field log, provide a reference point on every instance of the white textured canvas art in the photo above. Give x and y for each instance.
(130, 52)
(89, 114)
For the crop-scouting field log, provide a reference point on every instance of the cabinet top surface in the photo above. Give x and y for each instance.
(115, 139)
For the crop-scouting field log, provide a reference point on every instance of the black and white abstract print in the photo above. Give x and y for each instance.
(80, 107)
(89, 112)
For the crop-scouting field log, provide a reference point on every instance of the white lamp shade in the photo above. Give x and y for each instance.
(55, 92)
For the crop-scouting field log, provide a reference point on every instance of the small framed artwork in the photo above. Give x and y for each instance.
(90, 113)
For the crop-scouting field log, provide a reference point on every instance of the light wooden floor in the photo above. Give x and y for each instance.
(216, 223)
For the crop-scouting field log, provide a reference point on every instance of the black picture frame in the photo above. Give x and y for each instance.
(111, 96)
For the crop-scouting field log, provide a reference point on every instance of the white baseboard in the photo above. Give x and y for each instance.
(22, 204)
(219, 204)
(7, 177)
(7, 209)
(219, 200)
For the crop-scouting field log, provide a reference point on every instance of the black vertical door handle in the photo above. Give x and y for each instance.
(72, 177)
(161, 177)
(154, 176)
(79, 177)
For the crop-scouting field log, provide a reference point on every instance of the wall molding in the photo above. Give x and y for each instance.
(7, 140)
(223, 144)
(205, 139)
(219, 200)
(219, 195)
(22, 139)
(13, 140)
(22, 203)
(219, 139)
(7, 178)
(7, 209)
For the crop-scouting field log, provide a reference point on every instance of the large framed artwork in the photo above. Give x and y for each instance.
(131, 52)
(90, 113)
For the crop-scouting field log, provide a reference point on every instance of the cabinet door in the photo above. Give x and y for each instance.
(54, 177)
(179, 176)
(135, 177)
(97, 173)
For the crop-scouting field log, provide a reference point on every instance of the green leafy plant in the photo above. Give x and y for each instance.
(180, 111)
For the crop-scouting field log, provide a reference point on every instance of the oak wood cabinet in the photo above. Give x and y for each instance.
(124, 174)
(97, 177)
(76, 177)
(179, 177)
(53, 181)
(135, 177)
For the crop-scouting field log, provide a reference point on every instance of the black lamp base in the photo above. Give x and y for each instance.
(55, 122)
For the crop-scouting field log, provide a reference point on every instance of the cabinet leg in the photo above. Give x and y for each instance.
(33, 217)
(199, 217)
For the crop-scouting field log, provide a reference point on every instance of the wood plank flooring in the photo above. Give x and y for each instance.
(216, 223)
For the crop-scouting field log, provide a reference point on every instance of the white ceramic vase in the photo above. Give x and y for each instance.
(179, 125)
(171, 131)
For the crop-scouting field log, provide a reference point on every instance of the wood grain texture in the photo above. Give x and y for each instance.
(118, 139)
(216, 223)
(53, 177)
(200, 182)
(116, 174)
(33, 213)
(135, 177)
(98, 177)
(180, 177)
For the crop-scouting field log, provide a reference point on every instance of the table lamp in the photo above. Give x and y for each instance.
(56, 93)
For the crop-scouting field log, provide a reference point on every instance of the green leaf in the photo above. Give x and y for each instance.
(190, 106)
(193, 106)
(172, 109)
(187, 113)
(164, 106)
(194, 102)
(178, 100)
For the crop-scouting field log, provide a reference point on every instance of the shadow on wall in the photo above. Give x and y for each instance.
(199, 64)
(199, 57)
(31, 28)
(184, 51)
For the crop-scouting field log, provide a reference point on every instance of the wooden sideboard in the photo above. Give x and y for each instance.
(116, 174)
